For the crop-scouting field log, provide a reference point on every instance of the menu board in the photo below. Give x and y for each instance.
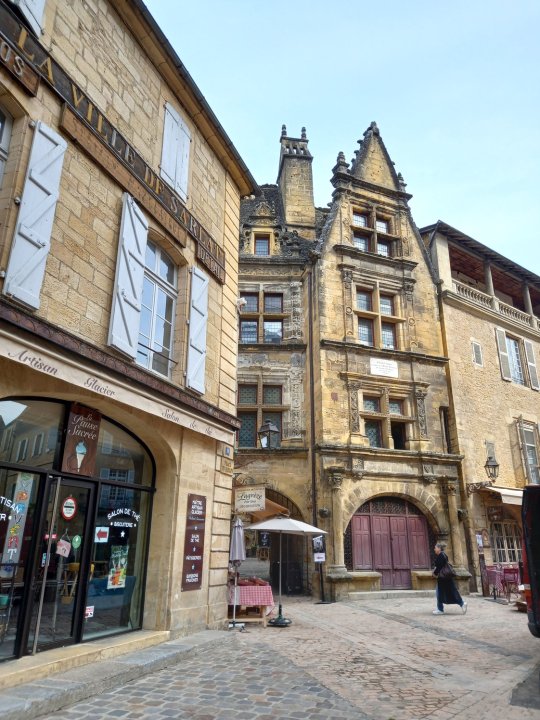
(194, 542)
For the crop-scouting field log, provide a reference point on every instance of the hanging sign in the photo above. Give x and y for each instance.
(69, 508)
(76, 542)
(319, 549)
(81, 440)
(63, 548)
(249, 498)
(194, 543)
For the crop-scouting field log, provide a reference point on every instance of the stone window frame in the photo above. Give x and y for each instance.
(261, 315)
(371, 237)
(261, 409)
(411, 395)
(377, 316)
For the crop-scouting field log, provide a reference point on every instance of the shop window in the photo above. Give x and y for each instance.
(175, 151)
(25, 425)
(506, 542)
(5, 139)
(158, 309)
(517, 360)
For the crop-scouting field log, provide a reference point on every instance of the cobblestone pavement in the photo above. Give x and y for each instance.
(375, 660)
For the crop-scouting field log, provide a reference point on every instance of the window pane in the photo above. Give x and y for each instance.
(359, 219)
(383, 248)
(395, 407)
(273, 331)
(252, 302)
(247, 435)
(363, 300)
(387, 305)
(273, 303)
(365, 331)
(166, 268)
(151, 254)
(361, 242)
(262, 246)
(23, 425)
(514, 357)
(372, 404)
(388, 336)
(382, 226)
(373, 433)
(272, 394)
(248, 331)
(164, 305)
(247, 394)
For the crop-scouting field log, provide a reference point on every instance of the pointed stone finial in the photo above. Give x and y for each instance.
(341, 164)
(283, 130)
(372, 129)
(303, 134)
(401, 181)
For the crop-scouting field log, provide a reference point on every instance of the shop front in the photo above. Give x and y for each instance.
(75, 506)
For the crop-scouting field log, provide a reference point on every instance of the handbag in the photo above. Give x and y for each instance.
(447, 571)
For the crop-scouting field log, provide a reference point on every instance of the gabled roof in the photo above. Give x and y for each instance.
(373, 164)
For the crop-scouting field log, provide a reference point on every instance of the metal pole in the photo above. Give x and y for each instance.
(46, 567)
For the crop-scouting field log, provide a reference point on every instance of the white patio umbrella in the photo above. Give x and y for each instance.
(237, 554)
(287, 526)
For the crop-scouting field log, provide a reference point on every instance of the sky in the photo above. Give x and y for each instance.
(453, 87)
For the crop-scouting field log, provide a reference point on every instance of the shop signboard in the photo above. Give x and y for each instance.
(249, 499)
(81, 440)
(319, 549)
(194, 542)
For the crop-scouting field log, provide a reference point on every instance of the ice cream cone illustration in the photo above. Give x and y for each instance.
(80, 451)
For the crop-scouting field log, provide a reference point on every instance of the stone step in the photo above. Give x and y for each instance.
(390, 594)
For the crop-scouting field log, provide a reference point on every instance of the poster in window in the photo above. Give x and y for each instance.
(117, 567)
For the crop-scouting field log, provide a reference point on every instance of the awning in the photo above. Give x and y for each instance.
(510, 496)
(270, 509)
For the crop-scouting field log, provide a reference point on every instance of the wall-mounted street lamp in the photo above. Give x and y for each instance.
(268, 435)
(492, 471)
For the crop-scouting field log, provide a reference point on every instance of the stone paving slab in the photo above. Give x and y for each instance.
(374, 660)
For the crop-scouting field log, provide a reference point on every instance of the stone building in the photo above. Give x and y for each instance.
(490, 310)
(119, 218)
(341, 348)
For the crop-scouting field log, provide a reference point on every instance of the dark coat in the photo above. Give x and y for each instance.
(447, 591)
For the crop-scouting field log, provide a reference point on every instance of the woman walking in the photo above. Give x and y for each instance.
(447, 592)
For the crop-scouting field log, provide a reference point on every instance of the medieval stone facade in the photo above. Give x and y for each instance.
(119, 203)
(341, 348)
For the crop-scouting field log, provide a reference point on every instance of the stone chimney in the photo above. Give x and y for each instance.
(295, 181)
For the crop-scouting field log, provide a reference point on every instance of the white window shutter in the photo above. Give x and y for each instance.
(182, 160)
(169, 152)
(531, 362)
(198, 320)
(503, 354)
(128, 284)
(33, 12)
(32, 237)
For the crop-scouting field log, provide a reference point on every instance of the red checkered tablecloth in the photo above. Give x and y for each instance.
(495, 579)
(249, 595)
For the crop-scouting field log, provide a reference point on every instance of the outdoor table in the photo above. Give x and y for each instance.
(495, 580)
(252, 596)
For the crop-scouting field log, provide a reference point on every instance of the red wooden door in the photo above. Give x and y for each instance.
(418, 542)
(401, 573)
(361, 542)
(382, 552)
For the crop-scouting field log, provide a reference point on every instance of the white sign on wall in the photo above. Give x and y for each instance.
(249, 499)
(380, 366)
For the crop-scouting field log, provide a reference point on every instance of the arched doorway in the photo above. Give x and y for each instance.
(391, 536)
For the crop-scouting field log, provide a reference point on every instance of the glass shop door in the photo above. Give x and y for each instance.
(62, 567)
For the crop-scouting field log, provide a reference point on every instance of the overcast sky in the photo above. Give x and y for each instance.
(454, 88)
